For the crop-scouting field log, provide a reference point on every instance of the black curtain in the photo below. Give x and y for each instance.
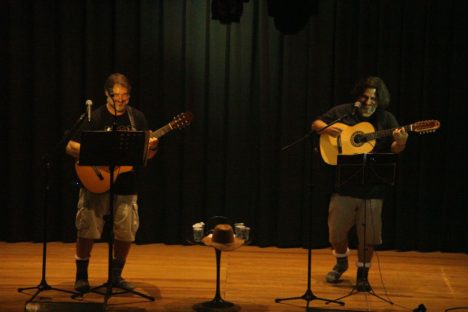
(253, 86)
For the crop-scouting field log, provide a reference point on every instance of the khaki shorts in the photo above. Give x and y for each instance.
(93, 207)
(346, 211)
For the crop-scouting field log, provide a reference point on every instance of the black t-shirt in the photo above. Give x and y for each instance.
(103, 120)
(381, 120)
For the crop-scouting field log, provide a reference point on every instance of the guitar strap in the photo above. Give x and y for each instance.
(131, 118)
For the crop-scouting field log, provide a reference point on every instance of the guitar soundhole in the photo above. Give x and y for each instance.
(358, 138)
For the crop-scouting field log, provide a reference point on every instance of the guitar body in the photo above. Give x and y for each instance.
(329, 146)
(96, 179)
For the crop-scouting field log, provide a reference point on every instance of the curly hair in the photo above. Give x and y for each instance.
(117, 78)
(383, 95)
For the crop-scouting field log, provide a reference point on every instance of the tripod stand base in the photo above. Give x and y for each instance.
(108, 291)
(356, 290)
(217, 304)
(309, 296)
(43, 286)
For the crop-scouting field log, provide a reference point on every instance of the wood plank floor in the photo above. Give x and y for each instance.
(179, 277)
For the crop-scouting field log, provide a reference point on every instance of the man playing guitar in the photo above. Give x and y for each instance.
(92, 207)
(348, 203)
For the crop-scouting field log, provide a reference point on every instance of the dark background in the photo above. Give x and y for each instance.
(253, 86)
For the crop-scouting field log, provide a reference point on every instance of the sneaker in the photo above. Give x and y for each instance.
(82, 285)
(334, 275)
(362, 284)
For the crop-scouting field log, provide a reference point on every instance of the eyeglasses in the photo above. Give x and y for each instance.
(123, 96)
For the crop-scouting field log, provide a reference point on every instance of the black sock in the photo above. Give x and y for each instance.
(82, 269)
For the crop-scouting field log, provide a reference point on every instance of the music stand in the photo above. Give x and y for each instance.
(113, 148)
(366, 170)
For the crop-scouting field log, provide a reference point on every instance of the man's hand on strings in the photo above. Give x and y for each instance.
(400, 136)
(152, 147)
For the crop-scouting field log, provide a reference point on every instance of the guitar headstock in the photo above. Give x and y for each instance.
(182, 120)
(425, 126)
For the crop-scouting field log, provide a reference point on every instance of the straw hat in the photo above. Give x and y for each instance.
(223, 238)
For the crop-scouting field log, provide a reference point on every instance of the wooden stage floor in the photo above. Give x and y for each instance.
(179, 277)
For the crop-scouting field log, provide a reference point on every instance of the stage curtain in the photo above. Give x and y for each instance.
(253, 89)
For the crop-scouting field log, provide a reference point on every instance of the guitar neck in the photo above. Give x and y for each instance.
(384, 133)
(161, 131)
(179, 122)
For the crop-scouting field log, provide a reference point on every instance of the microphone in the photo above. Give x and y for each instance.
(111, 92)
(89, 105)
(356, 106)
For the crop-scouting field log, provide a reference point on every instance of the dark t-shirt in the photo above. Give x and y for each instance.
(103, 120)
(381, 120)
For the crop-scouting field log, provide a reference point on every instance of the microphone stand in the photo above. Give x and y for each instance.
(309, 295)
(46, 163)
(285, 148)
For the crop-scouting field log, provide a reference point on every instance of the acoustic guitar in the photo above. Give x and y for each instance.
(360, 138)
(96, 179)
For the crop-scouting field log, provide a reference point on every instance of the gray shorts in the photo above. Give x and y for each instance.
(346, 211)
(93, 207)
